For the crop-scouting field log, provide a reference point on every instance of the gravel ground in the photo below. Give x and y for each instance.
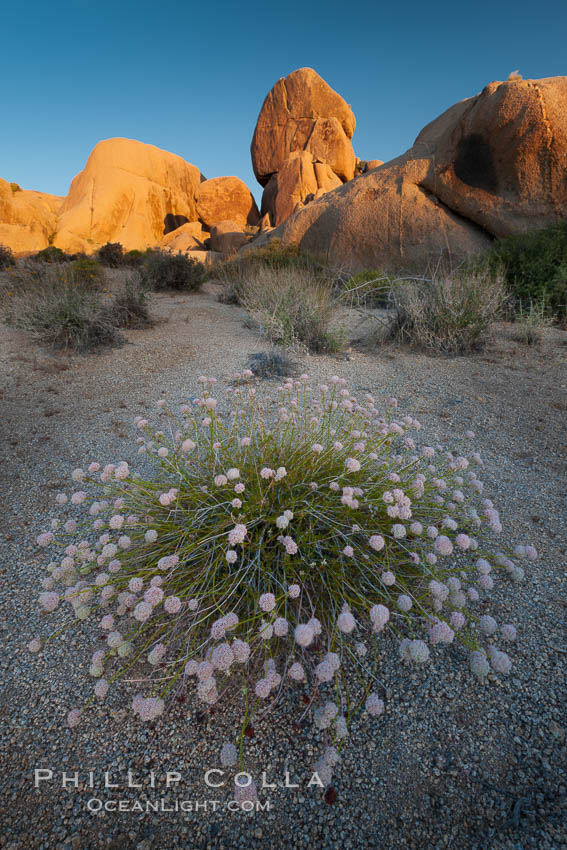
(451, 764)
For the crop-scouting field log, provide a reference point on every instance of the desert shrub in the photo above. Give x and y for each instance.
(450, 313)
(15, 187)
(52, 255)
(111, 255)
(282, 544)
(274, 256)
(368, 288)
(271, 364)
(531, 322)
(535, 266)
(6, 257)
(292, 307)
(133, 258)
(130, 307)
(64, 317)
(161, 270)
(86, 272)
(279, 257)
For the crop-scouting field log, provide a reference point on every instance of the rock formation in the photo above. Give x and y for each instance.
(227, 237)
(224, 198)
(27, 219)
(491, 165)
(128, 192)
(189, 237)
(299, 181)
(501, 158)
(300, 113)
(132, 193)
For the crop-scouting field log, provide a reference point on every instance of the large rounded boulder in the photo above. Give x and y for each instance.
(222, 198)
(27, 219)
(381, 219)
(491, 165)
(502, 162)
(302, 112)
(128, 192)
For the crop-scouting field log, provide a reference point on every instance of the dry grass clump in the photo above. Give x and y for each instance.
(63, 317)
(531, 323)
(63, 307)
(130, 304)
(293, 307)
(366, 289)
(271, 364)
(275, 256)
(450, 313)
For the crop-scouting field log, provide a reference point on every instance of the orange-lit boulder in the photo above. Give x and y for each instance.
(27, 219)
(222, 198)
(302, 112)
(188, 237)
(128, 192)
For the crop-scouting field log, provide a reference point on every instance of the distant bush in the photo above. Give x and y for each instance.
(52, 255)
(61, 307)
(275, 256)
(531, 322)
(15, 187)
(87, 272)
(111, 255)
(63, 317)
(130, 305)
(369, 288)
(535, 266)
(292, 307)
(6, 257)
(133, 258)
(450, 313)
(171, 271)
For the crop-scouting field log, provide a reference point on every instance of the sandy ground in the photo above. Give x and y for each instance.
(451, 764)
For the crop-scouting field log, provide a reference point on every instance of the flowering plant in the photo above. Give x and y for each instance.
(271, 547)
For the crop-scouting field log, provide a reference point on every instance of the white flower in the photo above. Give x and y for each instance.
(304, 634)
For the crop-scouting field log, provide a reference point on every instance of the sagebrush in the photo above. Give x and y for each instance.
(64, 317)
(111, 255)
(161, 270)
(64, 307)
(275, 257)
(450, 313)
(292, 307)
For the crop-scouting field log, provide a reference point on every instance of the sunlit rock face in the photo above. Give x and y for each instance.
(27, 219)
(128, 192)
(490, 166)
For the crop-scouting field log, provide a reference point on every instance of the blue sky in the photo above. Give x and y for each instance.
(191, 77)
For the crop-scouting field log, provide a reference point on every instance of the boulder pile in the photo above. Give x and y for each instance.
(301, 146)
(491, 165)
(132, 193)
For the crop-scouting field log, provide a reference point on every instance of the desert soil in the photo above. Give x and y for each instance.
(451, 764)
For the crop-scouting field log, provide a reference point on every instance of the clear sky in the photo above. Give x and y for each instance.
(191, 77)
